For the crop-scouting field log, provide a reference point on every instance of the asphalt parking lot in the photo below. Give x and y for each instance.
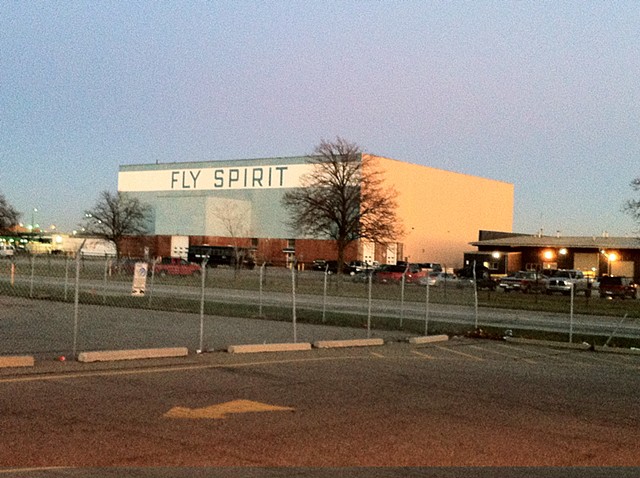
(398, 407)
(458, 403)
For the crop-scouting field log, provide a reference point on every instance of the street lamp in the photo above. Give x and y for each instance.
(611, 257)
(548, 255)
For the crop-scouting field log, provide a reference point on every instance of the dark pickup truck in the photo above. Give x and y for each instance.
(524, 281)
(612, 286)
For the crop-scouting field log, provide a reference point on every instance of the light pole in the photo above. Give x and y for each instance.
(33, 219)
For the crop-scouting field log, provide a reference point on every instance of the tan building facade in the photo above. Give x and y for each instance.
(441, 211)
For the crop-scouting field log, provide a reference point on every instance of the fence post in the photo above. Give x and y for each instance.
(615, 330)
(66, 277)
(426, 310)
(260, 288)
(475, 293)
(153, 276)
(324, 294)
(76, 300)
(572, 289)
(33, 266)
(104, 280)
(402, 282)
(293, 301)
(203, 273)
(369, 306)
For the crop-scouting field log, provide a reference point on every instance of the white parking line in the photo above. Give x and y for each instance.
(421, 354)
(538, 353)
(457, 352)
(598, 358)
(516, 357)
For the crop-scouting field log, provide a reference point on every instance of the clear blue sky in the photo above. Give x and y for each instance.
(541, 94)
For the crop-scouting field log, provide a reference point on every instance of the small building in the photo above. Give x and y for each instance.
(505, 253)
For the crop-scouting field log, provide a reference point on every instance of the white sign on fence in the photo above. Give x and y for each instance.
(140, 278)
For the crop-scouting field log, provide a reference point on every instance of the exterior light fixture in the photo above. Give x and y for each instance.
(548, 255)
(563, 251)
(611, 257)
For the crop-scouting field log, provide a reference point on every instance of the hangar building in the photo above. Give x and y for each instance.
(217, 202)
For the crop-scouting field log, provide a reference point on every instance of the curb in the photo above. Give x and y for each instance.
(109, 355)
(428, 339)
(247, 349)
(548, 343)
(324, 344)
(616, 350)
(17, 361)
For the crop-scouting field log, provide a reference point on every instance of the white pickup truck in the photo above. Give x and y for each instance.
(6, 250)
(563, 280)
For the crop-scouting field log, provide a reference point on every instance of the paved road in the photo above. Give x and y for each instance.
(462, 403)
(46, 329)
(409, 311)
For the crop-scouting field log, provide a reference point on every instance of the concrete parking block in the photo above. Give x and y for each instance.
(256, 348)
(17, 361)
(428, 339)
(548, 343)
(110, 355)
(324, 344)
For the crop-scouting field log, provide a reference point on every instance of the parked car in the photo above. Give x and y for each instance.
(388, 273)
(6, 250)
(431, 266)
(356, 267)
(615, 286)
(481, 278)
(436, 279)
(524, 281)
(562, 280)
(319, 265)
(331, 267)
(175, 266)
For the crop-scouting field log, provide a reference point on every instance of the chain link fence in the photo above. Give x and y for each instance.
(60, 304)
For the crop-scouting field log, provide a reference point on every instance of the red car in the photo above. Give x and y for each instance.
(393, 273)
(174, 266)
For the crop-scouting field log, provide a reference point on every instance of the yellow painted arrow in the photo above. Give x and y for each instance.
(220, 411)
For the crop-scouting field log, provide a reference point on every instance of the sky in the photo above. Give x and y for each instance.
(541, 94)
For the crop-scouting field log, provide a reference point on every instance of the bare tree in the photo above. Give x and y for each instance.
(116, 215)
(9, 217)
(234, 216)
(632, 206)
(344, 199)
